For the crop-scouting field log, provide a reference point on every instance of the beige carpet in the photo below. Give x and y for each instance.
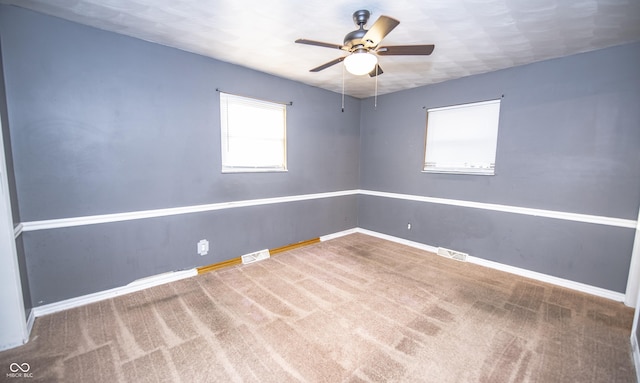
(354, 309)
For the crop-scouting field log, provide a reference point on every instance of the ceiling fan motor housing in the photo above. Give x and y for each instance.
(354, 38)
(361, 17)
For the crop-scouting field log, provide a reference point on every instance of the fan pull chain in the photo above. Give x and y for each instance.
(375, 98)
(342, 88)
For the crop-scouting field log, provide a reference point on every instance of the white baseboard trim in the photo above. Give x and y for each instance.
(593, 290)
(636, 355)
(30, 320)
(134, 286)
(633, 281)
(337, 235)
(10, 345)
(578, 286)
(402, 241)
(159, 279)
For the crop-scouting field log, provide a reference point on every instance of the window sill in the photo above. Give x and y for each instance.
(254, 170)
(470, 171)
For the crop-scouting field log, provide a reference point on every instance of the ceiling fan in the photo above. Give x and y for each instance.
(364, 46)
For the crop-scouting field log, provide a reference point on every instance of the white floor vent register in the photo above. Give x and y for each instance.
(458, 256)
(255, 257)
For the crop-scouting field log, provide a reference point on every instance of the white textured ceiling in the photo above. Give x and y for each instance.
(471, 36)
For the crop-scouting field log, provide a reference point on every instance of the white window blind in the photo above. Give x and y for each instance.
(253, 134)
(462, 138)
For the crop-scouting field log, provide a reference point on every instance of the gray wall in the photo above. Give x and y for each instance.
(13, 194)
(103, 123)
(99, 120)
(70, 262)
(593, 254)
(6, 135)
(568, 141)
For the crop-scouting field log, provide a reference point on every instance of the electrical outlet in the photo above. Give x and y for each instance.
(408, 226)
(203, 247)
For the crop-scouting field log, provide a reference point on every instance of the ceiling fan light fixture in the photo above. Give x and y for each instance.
(360, 62)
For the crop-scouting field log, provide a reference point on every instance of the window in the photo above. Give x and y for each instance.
(462, 138)
(253, 135)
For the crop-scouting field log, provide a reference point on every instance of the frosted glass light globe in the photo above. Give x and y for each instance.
(360, 63)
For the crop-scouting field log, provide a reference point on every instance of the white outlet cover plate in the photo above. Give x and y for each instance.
(203, 247)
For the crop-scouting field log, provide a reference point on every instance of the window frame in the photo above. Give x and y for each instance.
(225, 98)
(473, 169)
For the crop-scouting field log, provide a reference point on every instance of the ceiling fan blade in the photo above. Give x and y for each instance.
(378, 31)
(377, 71)
(406, 50)
(327, 65)
(319, 43)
